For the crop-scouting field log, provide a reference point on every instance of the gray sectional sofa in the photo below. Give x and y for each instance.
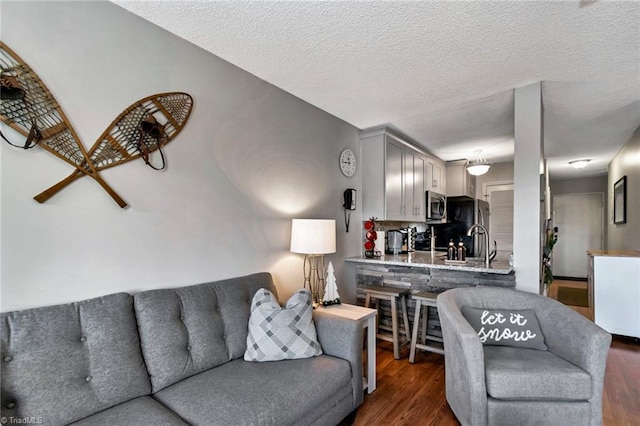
(171, 357)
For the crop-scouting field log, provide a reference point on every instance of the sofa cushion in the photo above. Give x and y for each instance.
(277, 333)
(187, 330)
(506, 327)
(235, 297)
(140, 411)
(62, 363)
(264, 393)
(519, 373)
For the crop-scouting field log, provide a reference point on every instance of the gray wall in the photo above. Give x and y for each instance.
(579, 185)
(626, 163)
(251, 158)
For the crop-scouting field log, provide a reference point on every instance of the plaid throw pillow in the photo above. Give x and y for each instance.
(277, 333)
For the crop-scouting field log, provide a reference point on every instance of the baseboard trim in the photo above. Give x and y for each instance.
(569, 279)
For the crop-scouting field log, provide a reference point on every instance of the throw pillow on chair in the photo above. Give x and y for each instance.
(506, 327)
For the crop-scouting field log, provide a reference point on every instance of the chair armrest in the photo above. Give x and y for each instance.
(578, 340)
(343, 338)
(464, 364)
(572, 336)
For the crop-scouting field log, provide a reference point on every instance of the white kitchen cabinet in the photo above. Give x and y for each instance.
(415, 168)
(459, 181)
(394, 177)
(614, 290)
(419, 178)
(436, 176)
(395, 181)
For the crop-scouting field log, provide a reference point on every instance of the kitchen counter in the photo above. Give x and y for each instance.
(614, 253)
(418, 271)
(423, 259)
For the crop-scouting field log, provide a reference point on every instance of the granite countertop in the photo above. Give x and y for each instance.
(614, 253)
(420, 259)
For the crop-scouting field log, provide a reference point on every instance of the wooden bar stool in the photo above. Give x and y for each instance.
(393, 295)
(425, 299)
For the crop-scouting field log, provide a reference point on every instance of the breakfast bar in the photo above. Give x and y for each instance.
(421, 272)
(424, 259)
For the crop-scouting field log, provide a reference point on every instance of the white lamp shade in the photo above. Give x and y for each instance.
(478, 169)
(480, 166)
(313, 236)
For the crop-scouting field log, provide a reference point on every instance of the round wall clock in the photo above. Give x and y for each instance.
(348, 162)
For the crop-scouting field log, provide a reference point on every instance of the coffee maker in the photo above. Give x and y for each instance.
(400, 240)
(394, 241)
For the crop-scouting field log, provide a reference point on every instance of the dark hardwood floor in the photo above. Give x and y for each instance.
(414, 394)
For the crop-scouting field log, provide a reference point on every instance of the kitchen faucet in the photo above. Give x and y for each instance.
(470, 232)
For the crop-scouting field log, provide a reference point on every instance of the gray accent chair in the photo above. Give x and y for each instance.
(171, 357)
(501, 385)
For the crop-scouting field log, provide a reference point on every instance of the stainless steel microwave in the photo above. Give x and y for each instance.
(436, 207)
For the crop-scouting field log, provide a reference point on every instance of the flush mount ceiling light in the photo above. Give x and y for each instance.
(578, 164)
(478, 167)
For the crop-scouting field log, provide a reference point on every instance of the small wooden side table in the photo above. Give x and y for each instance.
(367, 317)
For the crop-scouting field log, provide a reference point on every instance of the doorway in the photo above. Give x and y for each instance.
(500, 198)
(579, 218)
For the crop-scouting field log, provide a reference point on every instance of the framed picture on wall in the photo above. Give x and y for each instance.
(620, 201)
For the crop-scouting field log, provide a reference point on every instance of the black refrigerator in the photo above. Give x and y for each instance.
(462, 212)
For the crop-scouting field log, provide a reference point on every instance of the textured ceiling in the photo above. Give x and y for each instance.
(441, 72)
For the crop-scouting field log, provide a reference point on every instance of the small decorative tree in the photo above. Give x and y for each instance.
(331, 296)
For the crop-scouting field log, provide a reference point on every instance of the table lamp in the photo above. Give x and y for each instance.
(314, 238)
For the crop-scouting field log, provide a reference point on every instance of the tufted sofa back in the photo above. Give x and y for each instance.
(62, 363)
(187, 330)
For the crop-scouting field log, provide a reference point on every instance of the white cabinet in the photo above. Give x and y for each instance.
(415, 168)
(394, 177)
(436, 176)
(614, 290)
(394, 182)
(419, 178)
(459, 181)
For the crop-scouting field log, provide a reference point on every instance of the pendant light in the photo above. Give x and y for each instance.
(480, 166)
